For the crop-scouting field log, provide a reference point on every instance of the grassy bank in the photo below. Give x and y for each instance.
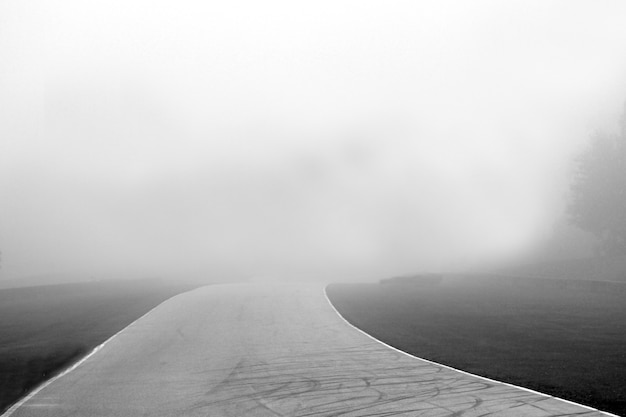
(568, 343)
(44, 329)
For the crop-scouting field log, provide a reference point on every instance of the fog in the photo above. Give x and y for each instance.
(328, 140)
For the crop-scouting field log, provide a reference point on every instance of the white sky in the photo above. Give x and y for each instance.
(330, 139)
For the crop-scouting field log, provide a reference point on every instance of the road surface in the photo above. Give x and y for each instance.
(268, 350)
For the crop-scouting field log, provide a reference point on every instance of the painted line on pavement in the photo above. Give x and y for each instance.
(95, 350)
(459, 370)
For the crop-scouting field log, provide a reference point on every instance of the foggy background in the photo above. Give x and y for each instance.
(330, 140)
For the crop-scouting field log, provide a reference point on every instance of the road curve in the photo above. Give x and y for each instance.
(268, 350)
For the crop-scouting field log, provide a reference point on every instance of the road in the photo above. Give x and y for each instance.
(268, 350)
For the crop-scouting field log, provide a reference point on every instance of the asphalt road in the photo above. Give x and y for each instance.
(268, 350)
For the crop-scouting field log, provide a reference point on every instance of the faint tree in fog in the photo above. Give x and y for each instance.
(598, 201)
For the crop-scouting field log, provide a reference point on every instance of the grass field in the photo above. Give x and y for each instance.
(568, 343)
(44, 329)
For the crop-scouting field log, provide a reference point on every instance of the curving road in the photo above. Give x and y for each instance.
(268, 350)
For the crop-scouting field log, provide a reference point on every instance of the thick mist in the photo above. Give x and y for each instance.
(330, 140)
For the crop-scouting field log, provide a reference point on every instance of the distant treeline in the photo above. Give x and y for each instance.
(598, 191)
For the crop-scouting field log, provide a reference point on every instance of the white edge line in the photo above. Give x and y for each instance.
(95, 350)
(457, 370)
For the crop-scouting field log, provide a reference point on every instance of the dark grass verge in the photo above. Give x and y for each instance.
(45, 329)
(566, 343)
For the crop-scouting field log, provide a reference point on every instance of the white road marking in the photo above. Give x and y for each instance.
(459, 370)
(34, 392)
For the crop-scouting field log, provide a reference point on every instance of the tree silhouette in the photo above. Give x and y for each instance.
(598, 191)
